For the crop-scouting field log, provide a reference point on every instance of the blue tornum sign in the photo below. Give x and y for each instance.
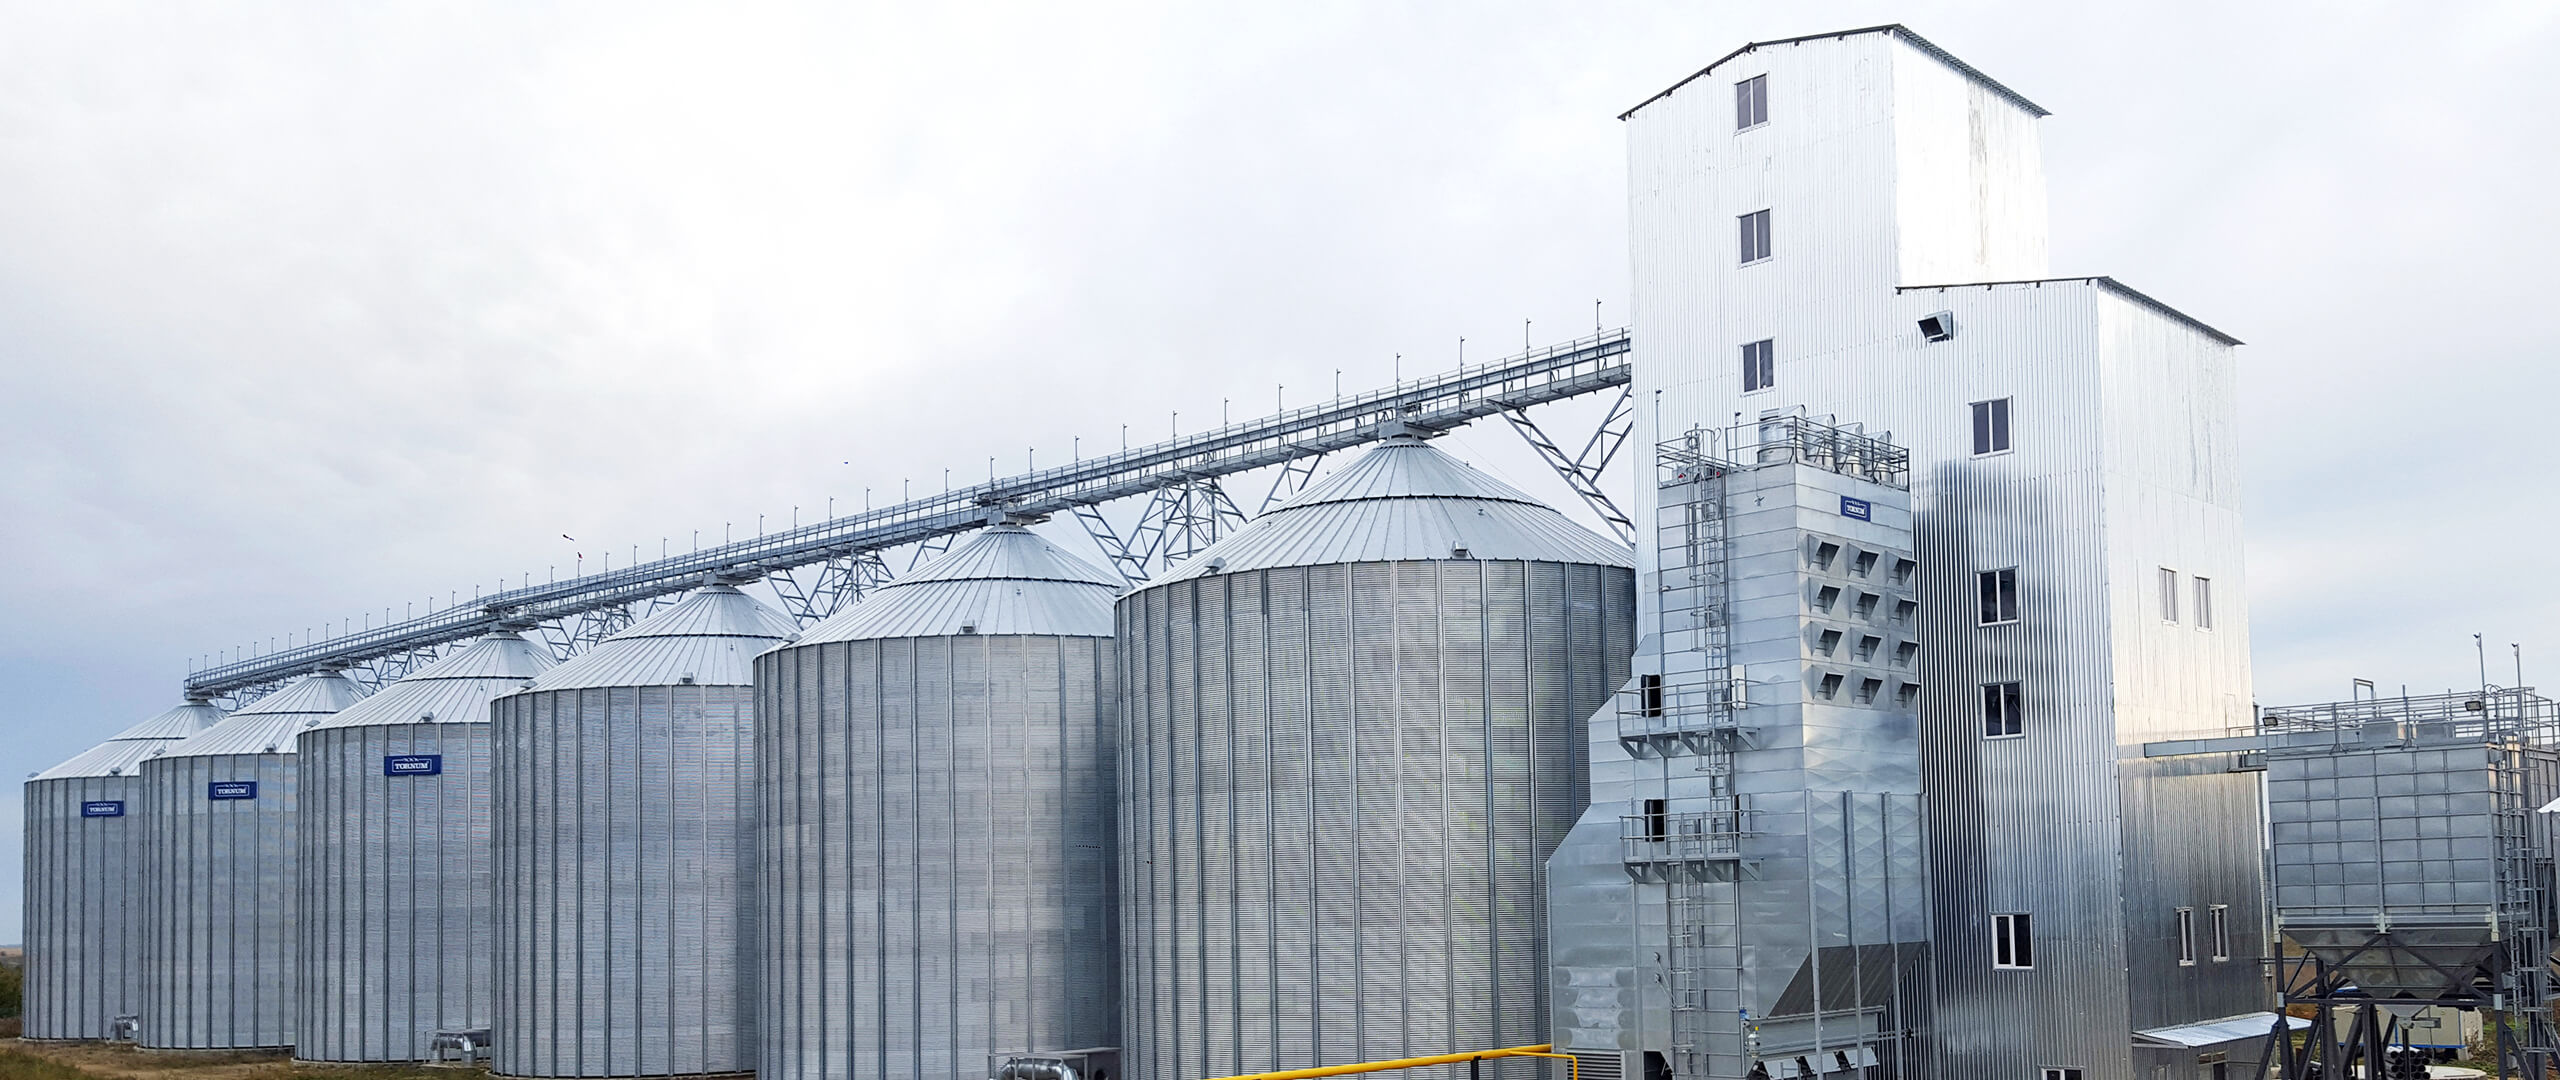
(102, 808)
(413, 765)
(231, 789)
(1858, 509)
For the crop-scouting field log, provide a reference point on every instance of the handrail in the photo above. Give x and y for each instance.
(1541, 1050)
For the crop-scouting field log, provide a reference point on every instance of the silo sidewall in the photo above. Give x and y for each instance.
(83, 892)
(220, 895)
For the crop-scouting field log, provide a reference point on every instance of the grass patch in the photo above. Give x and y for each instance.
(17, 1064)
(120, 1061)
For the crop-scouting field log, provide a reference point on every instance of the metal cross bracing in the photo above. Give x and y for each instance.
(1582, 471)
(1192, 464)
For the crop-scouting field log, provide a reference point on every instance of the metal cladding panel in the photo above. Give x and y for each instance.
(84, 892)
(1339, 787)
(937, 853)
(218, 902)
(397, 934)
(625, 883)
(2122, 462)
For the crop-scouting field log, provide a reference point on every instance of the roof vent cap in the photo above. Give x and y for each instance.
(686, 680)
(1938, 326)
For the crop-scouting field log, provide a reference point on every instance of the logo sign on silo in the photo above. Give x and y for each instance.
(103, 808)
(231, 789)
(413, 765)
(1857, 509)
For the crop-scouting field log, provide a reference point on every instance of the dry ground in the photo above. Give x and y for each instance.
(20, 1060)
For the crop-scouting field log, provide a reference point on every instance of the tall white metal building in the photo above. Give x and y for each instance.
(1854, 224)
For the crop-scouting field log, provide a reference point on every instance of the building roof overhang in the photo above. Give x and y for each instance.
(1896, 29)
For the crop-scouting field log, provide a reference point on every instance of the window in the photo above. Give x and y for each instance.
(1751, 103)
(1755, 236)
(2186, 937)
(1759, 364)
(1649, 695)
(1999, 596)
(2002, 715)
(1657, 819)
(2168, 595)
(2221, 932)
(2051, 1073)
(1991, 426)
(2013, 942)
(2204, 603)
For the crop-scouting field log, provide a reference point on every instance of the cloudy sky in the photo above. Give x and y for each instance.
(308, 310)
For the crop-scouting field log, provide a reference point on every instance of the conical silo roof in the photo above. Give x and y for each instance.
(710, 638)
(268, 725)
(119, 755)
(454, 690)
(1005, 580)
(1405, 499)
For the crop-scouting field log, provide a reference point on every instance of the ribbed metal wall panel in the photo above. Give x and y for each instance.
(1339, 788)
(219, 912)
(84, 891)
(2123, 462)
(937, 850)
(83, 897)
(625, 881)
(397, 929)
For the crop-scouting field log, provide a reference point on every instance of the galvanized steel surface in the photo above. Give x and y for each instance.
(397, 935)
(1004, 580)
(1403, 500)
(626, 854)
(219, 893)
(84, 880)
(1339, 788)
(1884, 169)
(938, 853)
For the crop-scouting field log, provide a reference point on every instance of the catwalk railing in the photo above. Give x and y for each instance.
(1436, 403)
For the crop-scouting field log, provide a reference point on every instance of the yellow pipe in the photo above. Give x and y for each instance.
(1544, 1050)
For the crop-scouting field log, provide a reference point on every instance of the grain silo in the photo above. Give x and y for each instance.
(626, 818)
(218, 877)
(84, 881)
(1352, 734)
(936, 765)
(395, 864)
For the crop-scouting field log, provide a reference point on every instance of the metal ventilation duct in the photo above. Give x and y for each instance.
(626, 860)
(1351, 735)
(937, 771)
(84, 880)
(218, 880)
(397, 938)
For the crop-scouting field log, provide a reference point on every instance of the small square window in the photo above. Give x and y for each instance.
(2013, 941)
(1823, 552)
(2221, 914)
(1830, 685)
(2003, 712)
(1868, 689)
(1866, 606)
(1906, 695)
(1903, 653)
(1827, 643)
(1991, 426)
(2168, 595)
(1867, 646)
(1751, 103)
(1864, 564)
(2052, 1073)
(1825, 598)
(2204, 603)
(2186, 937)
(1999, 589)
(1759, 365)
(1755, 236)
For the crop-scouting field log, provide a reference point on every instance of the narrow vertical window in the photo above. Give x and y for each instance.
(2168, 595)
(2186, 936)
(2204, 603)
(1759, 365)
(1755, 236)
(1991, 426)
(1657, 819)
(2013, 943)
(2221, 914)
(2000, 711)
(1999, 590)
(1751, 103)
(1649, 695)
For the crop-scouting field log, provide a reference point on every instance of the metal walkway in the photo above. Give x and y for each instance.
(1183, 466)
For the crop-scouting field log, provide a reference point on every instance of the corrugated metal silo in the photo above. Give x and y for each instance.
(84, 880)
(1352, 734)
(397, 940)
(937, 773)
(218, 880)
(626, 820)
